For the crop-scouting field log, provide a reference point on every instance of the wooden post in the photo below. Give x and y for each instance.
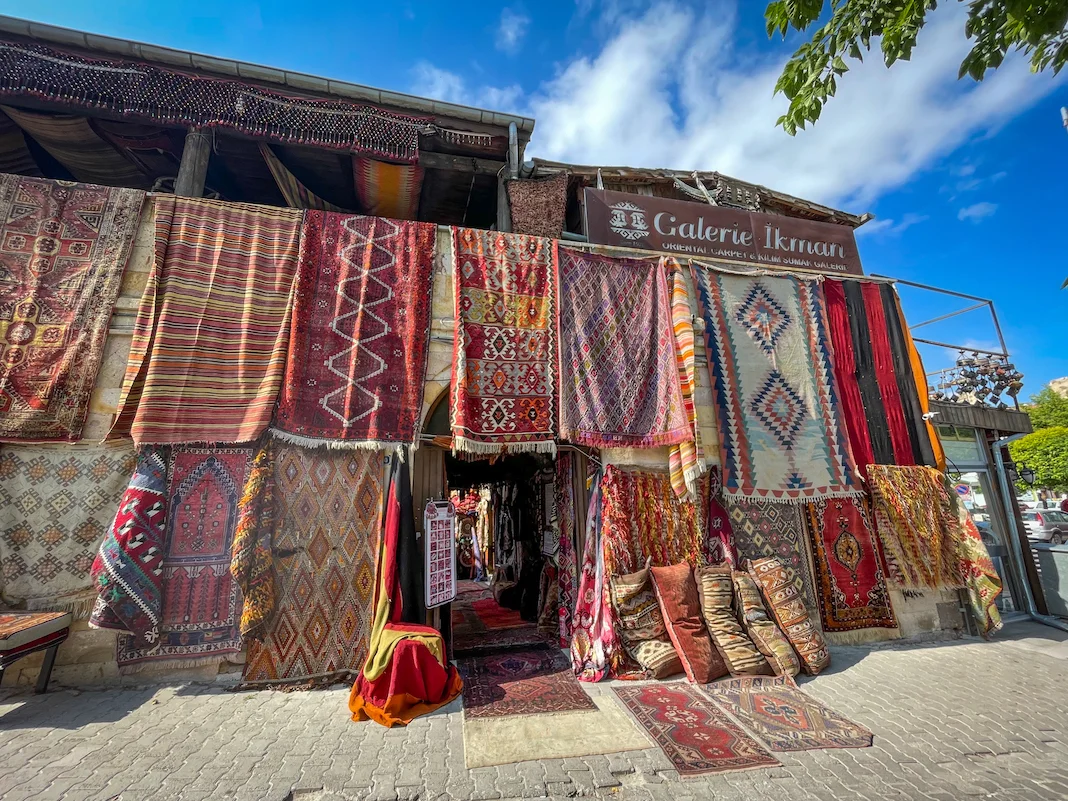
(504, 213)
(193, 170)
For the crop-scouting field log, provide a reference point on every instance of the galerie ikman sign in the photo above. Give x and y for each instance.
(697, 229)
(439, 549)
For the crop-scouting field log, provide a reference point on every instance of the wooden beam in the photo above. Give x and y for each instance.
(194, 167)
(443, 161)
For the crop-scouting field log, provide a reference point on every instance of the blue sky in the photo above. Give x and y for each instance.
(967, 181)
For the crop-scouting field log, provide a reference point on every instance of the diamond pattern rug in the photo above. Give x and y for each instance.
(521, 682)
(784, 717)
(327, 523)
(693, 733)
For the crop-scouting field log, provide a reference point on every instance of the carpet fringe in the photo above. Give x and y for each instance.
(861, 636)
(466, 445)
(171, 664)
(336, 444)
(80, 606)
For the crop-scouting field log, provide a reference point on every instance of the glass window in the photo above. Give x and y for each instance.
(961, 445)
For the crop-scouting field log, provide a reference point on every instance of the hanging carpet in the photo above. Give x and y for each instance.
(360, 332)
(781, 433)
(64, 251)
(503, 360)
(56, 504)
(387, 190)
(539, 206)
(201, 601)
(198, 371)
(981, 579)
(918, 525)
(783, 717)
(686, 459)
(566, 557)
(128, 569)
(695, 735)
(850, 582)
(326, 519)
(521, 682)
(619, 381)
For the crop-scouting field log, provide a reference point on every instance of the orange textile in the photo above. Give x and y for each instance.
(387, 190)
(921, 385)
(415, 685)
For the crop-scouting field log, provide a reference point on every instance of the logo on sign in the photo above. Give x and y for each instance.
(628, 221)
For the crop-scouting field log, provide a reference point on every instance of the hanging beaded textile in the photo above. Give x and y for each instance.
(163, 95)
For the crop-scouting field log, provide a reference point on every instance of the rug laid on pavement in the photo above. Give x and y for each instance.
(221, 384)
(201, 601)
(773, 528)
(504, 359)
(326, 527)
(128, 569)
(360, 331)
(850, 583)
(918, 525)
(521, 682)
(769, 357)
(615, 324)
(64, 251)
(607, 729)
(56, 504)
(783, 717)
(695, 735)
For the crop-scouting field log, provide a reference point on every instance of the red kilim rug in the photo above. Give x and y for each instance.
(783, 716)
(522, 682)
(361, 324)
(695, 735)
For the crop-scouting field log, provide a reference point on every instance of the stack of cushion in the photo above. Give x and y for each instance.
(641, 624)
(676, 591)
(717, 605)
(789, 612)
(761, 629)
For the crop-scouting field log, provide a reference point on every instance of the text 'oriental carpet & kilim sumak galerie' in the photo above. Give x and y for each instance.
(361, 325)
(503, 359)
(63, 250)
(694, 734)
(201, 601)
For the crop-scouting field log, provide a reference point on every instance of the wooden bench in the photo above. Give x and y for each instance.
(24, 633)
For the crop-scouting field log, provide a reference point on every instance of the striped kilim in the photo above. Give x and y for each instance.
(686, 460)
(387, 190)
(209, 345)
(781, 433)
(63, 250)
(361, 326)
(619, 383)
(327, 520)
(297, 195)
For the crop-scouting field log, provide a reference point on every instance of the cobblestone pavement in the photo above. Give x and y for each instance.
(952, 720)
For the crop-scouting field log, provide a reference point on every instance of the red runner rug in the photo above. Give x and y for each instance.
(198, 370)
(361, 325)
(695, 735)
(521, 682)
(63, 250)
(503, 359)
(850, 582)
(784, 717)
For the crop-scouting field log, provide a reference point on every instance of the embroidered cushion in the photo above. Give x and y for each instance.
(789, 612)
(676, 591)
(641, 624)
(761, 629)
(730, 639)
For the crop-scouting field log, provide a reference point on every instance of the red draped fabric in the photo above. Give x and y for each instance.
(884, 372)
(845, 373)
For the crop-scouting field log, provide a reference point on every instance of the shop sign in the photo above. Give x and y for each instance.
(697, 229)
(439, 550)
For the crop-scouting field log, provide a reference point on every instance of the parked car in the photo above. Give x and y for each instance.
(1046, 525)
(986, 534)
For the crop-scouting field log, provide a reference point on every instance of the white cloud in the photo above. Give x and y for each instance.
(977, 211)
(511, 30)
(669, 89)
(438, 84)
(888, 227)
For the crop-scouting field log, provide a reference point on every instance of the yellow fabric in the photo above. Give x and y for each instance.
(387, 190)
(921, 387)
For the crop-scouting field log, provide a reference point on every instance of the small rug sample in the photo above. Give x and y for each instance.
(918, 525)
(774, 528)
(538, 206)
(850, 583)
(221, 384)
(695, 735)
(56, 505)
(615, 324)
(327, 518)
(783, 717)
(562, 735)
(521, 682)
(686, 459)
(128, 569)
(769, 357)
(201, 601)
(504, 359)
(360, 331)
(63, 251)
